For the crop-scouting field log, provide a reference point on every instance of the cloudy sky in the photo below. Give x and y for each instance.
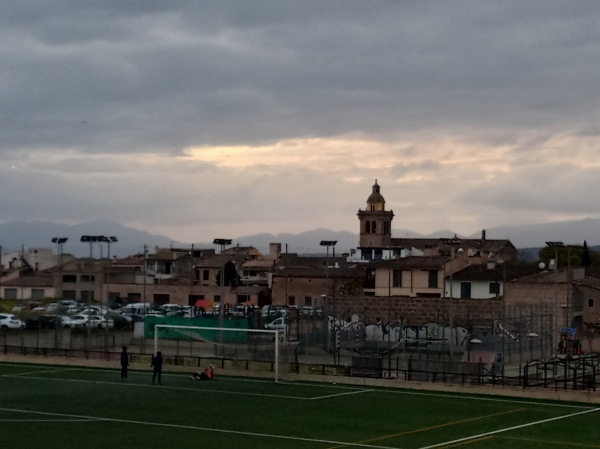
(201, 119)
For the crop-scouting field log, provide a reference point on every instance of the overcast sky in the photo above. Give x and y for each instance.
(202, 119)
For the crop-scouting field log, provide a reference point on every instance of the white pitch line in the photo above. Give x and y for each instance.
(205, 429)
(535, 423)
(162, 387)
(28, 373)
(550, 403)
(339, 394)
(47, 420)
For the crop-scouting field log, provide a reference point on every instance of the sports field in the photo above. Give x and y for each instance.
(43, 406)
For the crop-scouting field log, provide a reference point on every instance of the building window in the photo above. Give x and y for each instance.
(87, 296)
(291, 300)
(590, 302)
(69, 294)
(433, 279)
(465, 290)
(134, 297)
(397, 278)
(368, 227)
(37, 293)
(374, 227)
(10, 293)
(69, 279)
(87, 278)
(217, 298)
(205, 275)
(307, 301)
(495, 288)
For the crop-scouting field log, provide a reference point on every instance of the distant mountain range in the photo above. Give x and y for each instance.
(37, 234)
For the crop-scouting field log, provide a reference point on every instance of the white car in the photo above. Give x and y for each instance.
(280, 324)
(73, 321)
(98, 321)
(9, 321)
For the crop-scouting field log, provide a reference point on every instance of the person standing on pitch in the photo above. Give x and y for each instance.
(124, 363)
(156, 363)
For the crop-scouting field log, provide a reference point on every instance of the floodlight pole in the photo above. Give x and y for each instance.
(328, 244)
(108, 241)
(555, 335)
(452, 243)
(222, 243)
(60, 241)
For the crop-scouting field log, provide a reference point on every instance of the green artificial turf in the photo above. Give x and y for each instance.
(68, 407)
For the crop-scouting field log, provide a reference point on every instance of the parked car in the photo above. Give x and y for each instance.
(53, 307)
(9, 321)
(306, 311)
(170, 309)
(100, 321)
(41, 322)
(136, 308)
(120, 322)
(280, 323)
(133, 317)
(71, 321)
(94, 310)
(271, 311)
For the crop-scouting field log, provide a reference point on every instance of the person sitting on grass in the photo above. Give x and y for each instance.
(207, 374)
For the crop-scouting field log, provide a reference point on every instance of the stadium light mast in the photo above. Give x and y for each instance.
(222, 243)
(556, 245)
(60, 241)
(452, 243)
(331, 244)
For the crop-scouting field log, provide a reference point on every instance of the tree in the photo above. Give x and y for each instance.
(569, 255)
(586, 261)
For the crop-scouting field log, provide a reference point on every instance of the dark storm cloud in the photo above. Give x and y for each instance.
(137, 76)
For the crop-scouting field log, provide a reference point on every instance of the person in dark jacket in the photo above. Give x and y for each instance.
(156, 363)
(124, 363)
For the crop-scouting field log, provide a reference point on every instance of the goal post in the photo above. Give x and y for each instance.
(259, 346)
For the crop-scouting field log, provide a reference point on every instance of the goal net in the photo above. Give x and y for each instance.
(238, 349)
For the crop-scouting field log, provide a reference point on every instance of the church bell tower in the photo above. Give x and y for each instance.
(375, 222)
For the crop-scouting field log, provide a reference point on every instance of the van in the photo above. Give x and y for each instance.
(136, 308)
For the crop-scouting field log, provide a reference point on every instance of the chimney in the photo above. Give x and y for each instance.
(483, 234)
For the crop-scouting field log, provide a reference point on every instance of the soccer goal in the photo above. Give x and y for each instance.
(256, 350)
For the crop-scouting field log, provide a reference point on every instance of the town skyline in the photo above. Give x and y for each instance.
(132, 241)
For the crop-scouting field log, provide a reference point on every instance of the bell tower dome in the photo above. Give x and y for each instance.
(375, 222)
